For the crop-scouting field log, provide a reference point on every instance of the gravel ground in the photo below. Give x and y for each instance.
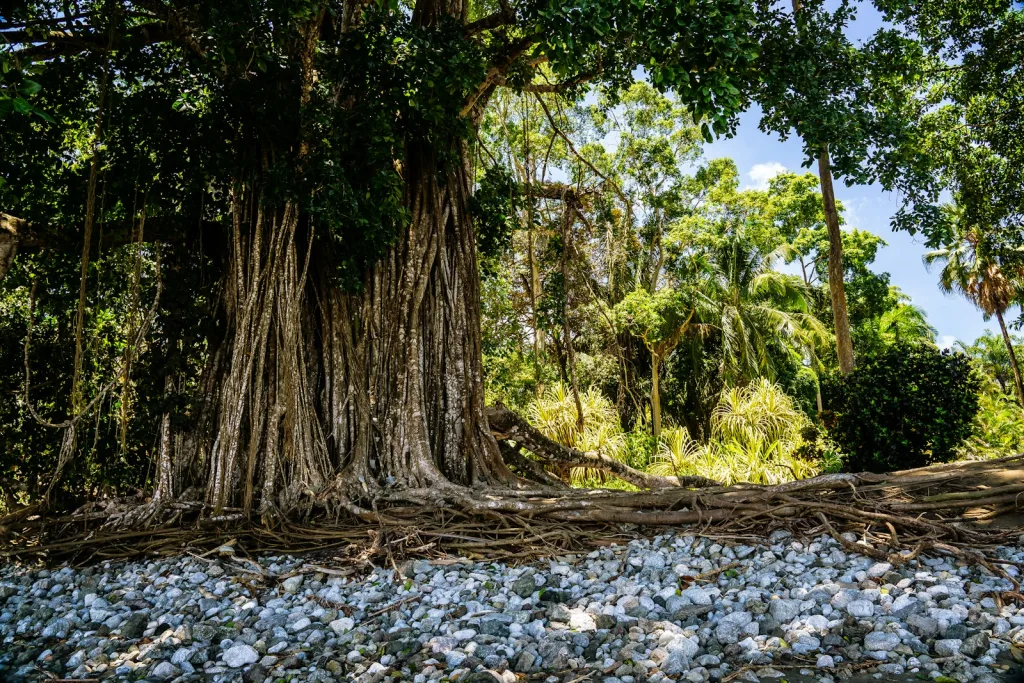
(670, 608)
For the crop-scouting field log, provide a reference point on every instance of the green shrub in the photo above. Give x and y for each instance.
(905, 407)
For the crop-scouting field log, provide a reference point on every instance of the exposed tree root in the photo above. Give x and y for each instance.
(866, 513)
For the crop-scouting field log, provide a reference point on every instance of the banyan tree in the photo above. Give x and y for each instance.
(303, 186)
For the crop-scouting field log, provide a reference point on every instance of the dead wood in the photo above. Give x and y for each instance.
(508, 426)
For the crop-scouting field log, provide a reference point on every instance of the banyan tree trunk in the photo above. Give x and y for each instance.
(330, 396)
(411, 347)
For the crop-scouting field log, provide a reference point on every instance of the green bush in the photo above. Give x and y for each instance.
(905, 407)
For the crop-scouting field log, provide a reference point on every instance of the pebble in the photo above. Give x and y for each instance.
(628, 613)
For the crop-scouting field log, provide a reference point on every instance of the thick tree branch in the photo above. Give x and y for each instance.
(499, 67)
(559, 191)
(563, 85)
(529, 468)
(587, 162)
(17, 234)
(503, 17)
(64, 43)
(508, 426)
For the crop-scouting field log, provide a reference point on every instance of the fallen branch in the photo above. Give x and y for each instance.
(509, 426)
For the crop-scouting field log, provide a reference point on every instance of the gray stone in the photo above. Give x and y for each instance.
(293, 583)
(495, 624)
(163, 671)
(784, 611)
(879, 569)
(975, 646)
(257, 673)
(948, 647)
(955, 632)
(881, 641)
(238, 656)
(923, 626)
(300, 624)
(905, 605)
(454, 658)
(524, 586)
(134, 626)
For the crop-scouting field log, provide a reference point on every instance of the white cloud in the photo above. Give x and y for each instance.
(762, 173)
(946, 341)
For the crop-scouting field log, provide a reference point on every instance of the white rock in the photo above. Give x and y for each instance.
(293, 583)
(879, 570)
(881, 641)
(343, 625)
(581, 621)
(862, 609)
(238, 656)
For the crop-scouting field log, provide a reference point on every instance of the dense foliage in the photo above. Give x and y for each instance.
(907, 407)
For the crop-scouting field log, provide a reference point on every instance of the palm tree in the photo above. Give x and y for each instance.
(972, 268)
(759, 310)
(992, 356)
(904, 322)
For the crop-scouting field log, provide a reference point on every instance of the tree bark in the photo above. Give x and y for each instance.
(836, 283)
(534, 295)
(164, 488)
(1013, 358)
(656, 394)
(570, 354)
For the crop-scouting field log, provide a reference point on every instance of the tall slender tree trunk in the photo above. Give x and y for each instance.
(836, 283)
(570, 354)
(164, 488)
(656, 394)
(1013, 358)
(534, 295)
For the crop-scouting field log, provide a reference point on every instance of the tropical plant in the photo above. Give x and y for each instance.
(998, 427)
(757, 436)
(757, 310)
(659, 320)
(992, 357)
(906, 407)
(973, 267)
(904, 323)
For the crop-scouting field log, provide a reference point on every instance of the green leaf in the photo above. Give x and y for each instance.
(42, 114)
(30, 87)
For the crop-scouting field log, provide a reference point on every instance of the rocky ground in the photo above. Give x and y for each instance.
(671, 608)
